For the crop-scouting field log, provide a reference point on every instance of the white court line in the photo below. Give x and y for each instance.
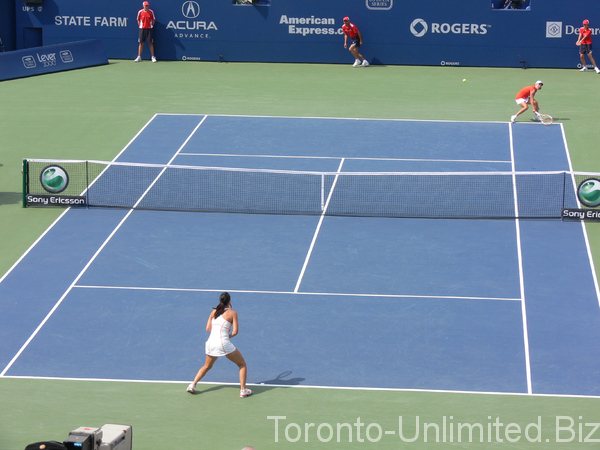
(60, 300)
(314, 240)
(372, 119)
(303, 386)
(520, 261)
(336, 294)
(356, 158)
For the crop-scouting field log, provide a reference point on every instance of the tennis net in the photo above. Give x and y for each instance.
(219, 189)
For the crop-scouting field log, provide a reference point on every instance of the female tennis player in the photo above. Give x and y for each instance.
(526, 96)
(222, 325)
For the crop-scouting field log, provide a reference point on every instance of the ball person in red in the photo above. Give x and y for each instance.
(146, 21)
(350, 30)
(585, 46)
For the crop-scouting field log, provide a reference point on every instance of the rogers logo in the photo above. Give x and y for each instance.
(419, 28)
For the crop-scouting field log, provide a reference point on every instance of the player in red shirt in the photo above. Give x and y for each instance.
(146, 21)
(585, 46)
(524, 97)
(356, 41)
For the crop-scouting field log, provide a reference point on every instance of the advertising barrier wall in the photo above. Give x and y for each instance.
(51, 58)
(424, 32)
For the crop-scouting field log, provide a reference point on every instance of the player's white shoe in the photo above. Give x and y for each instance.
(364, 63)
(153, 59)
(356, 63)
(245, 393)
(597, 70)
(138, 59)
(583, 69)
(513, 118)
(191, 388)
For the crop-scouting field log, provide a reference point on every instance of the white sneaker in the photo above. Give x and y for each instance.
(138, 59)
(356, 63)
(191, 388)
(536, 118)
(245, 393)
(597, 70)
(583, 69)
(364, 63)
(513, 118)
(153, 59)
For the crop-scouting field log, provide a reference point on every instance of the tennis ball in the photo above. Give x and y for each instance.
(464, 79)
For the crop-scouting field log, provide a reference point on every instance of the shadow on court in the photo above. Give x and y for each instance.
(200, 391)
(257, 389)
(279, 379)
(10, 198)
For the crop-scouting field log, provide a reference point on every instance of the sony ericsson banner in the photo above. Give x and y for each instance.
(580, 214)
(54, 180)
(588, 194)
(51, 58)
(54, 200)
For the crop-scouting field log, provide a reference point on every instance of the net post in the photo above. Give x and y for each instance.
(87, 184)
(564, 190)
(25, 172)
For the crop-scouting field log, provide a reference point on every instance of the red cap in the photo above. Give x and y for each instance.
(146, 4)
(346, 18)
(586, 22)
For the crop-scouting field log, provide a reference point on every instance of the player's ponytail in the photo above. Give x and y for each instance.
(224, 300)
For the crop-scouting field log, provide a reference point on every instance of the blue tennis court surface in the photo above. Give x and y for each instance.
(505, 305)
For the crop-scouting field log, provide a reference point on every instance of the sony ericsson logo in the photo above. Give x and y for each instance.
(589, 192)
(419, 28)
(54, 179)
(190, 10)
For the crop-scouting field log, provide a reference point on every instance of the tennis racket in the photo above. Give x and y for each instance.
(546, 119)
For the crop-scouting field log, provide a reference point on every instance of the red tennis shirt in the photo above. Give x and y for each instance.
(587, 35)
(351, 30)
(145, 18)
(527, 91)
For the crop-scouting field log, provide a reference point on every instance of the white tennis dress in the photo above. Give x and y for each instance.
(218, 343)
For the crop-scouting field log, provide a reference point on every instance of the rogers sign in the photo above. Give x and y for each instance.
(420, 28)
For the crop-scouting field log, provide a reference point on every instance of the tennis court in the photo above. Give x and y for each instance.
(128, 335)
(444, 304)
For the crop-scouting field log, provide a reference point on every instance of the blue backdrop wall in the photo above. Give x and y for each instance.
(422, 32)
(7, 25)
